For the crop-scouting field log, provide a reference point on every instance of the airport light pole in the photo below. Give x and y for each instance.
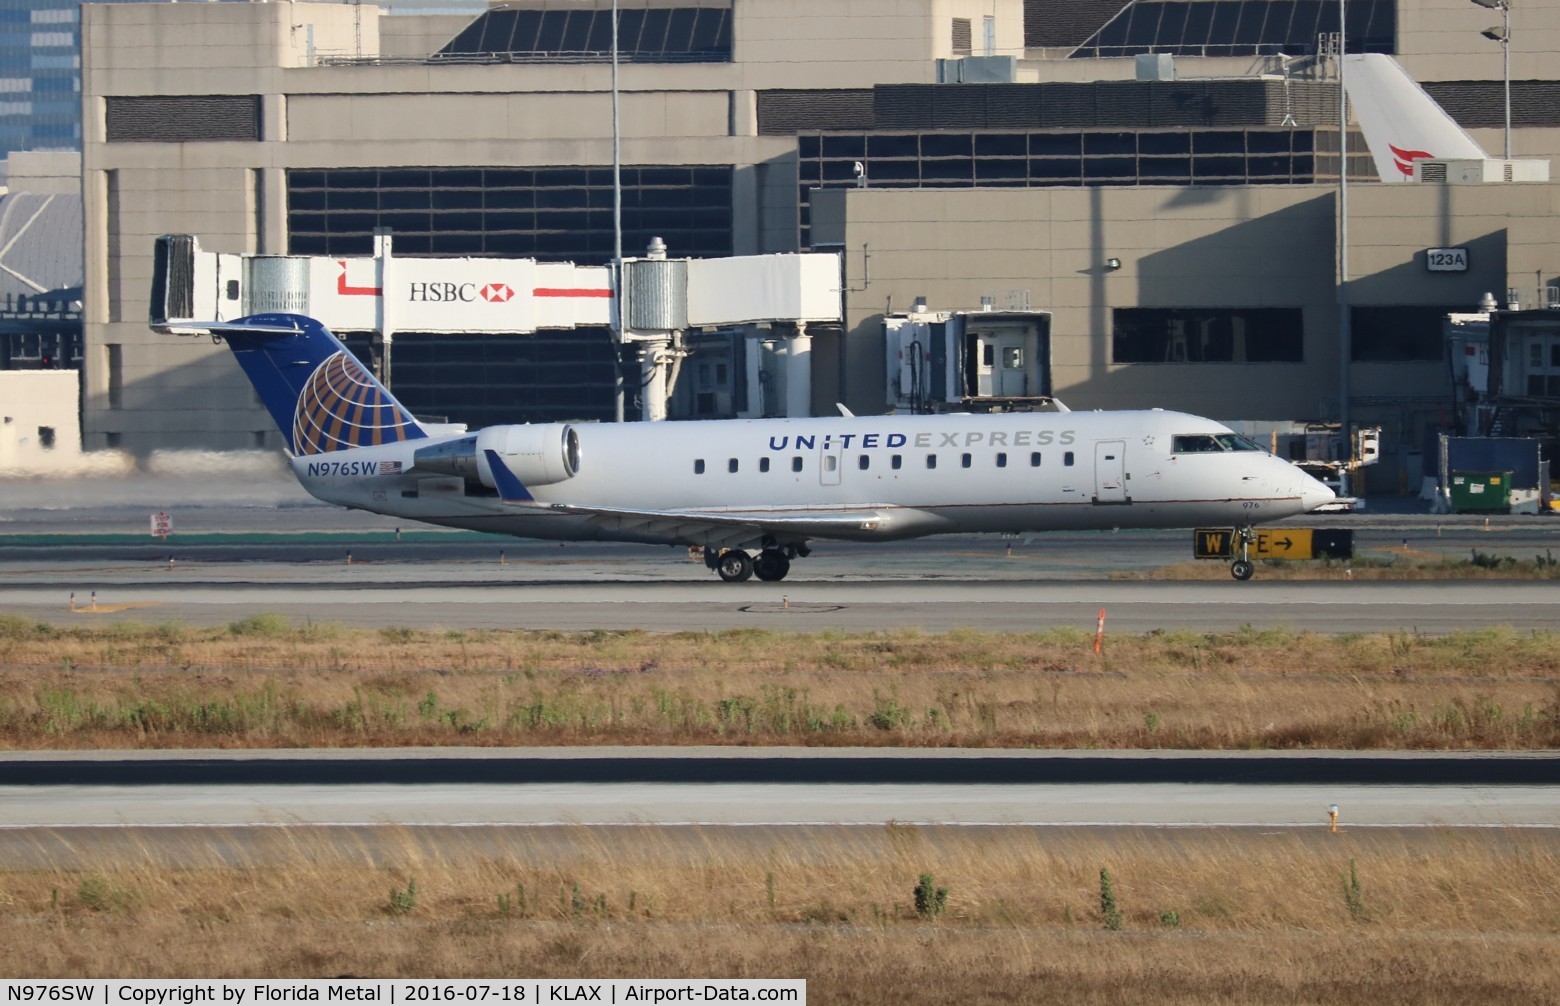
(617, 230)
(1503, 36)
(1345, 331)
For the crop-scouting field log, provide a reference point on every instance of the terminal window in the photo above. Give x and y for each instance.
(1240, 28)
(1207, 335)
(1398, 334)
(556, 213)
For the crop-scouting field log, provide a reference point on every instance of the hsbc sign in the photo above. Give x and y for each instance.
(457, 294)
(465, 293)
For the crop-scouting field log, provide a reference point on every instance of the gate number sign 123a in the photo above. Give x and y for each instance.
(1446, 259)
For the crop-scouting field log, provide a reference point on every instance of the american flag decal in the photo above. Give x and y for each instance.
(389, 467)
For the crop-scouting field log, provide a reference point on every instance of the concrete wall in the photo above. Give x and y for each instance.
(1190, 247)
(35, 406)
(52, 172)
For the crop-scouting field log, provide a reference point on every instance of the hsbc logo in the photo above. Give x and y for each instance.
(465, 293)
(443, 293)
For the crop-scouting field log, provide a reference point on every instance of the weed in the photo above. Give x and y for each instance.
(930, 900)
(1353, 897)
(403, 900)
(268, 625)
(1108, 910)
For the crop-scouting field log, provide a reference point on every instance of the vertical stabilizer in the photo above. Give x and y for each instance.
(1401, 123)
(321, 397)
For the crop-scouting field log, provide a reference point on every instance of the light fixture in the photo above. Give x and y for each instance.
(1502, 34)
(1112, 264)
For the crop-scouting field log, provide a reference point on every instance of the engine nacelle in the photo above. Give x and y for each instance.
(538, 455)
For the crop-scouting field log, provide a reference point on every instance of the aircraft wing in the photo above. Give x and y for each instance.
(732, 528)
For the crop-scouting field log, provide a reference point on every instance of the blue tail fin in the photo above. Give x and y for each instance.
(321, 397)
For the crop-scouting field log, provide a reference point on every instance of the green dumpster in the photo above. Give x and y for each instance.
(1481, 492)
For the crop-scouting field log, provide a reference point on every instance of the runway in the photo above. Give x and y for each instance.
(299, 558)
(772, 787)
(1017, 605)
(229, 562)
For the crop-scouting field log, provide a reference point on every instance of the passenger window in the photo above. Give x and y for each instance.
(1001, 459)
(796, 463)
(1067, 459)
(698, 466)
(1034, 459)
(763, 464)
(964, 461)
(731, 466)
(830, 462)
(895, 461)
(931, 461)
(864, 462)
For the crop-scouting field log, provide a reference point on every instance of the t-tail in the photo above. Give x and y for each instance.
(321, 397)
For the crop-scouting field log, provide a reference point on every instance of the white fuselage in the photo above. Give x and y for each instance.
(994, 472)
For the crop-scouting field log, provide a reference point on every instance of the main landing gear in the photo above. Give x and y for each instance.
(771, 563)
(1242, 567)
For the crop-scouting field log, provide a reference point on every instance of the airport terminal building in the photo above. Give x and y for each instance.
(1174, 220)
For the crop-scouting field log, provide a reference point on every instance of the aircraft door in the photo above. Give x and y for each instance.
(1110, 472)
(830, 460)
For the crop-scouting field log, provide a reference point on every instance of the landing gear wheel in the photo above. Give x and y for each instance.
(734, 565)
(771, 565)
(1241, 569)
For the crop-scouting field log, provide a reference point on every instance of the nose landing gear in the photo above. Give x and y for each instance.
(1242, 567)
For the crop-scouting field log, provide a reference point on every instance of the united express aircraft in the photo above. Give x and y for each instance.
(753, 493)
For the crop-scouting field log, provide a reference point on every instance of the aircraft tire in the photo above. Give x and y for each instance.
(771, 565)
(734, 565)
(1241, 569)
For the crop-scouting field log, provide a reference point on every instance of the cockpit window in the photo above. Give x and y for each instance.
(1210, 443)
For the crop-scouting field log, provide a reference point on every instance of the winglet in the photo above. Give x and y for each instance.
(510, 489)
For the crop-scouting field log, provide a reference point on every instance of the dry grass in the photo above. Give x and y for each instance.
(1441, 917)
(266, 683)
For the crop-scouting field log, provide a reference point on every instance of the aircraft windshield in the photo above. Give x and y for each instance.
(1210, 443)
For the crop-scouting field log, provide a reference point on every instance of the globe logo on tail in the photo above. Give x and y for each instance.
(341, 407)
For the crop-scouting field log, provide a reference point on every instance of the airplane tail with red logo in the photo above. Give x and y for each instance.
(1402, 124)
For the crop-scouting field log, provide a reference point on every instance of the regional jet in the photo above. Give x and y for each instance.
(753, 494)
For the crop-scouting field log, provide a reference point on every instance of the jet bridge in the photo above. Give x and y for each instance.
(968, 361)
(382, 294)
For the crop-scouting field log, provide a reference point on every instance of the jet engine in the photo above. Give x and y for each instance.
(538, 455)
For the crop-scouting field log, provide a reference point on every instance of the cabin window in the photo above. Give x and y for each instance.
(1067, 459)
(864, 462)
(763, 464)
(796, 463)
(1034, 459)
(964, 460)
(931, 461)
(731, 466)
(830, 462)
(698, 466)
(895, 462)
(1001, 459)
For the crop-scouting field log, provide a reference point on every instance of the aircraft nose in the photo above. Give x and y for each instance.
(1314, 494)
